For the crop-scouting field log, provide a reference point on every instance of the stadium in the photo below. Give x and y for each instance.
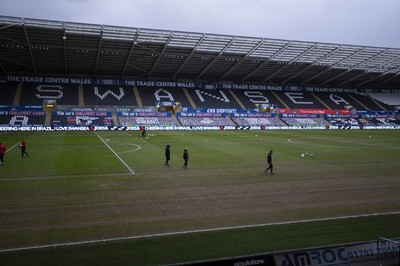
(94, 191)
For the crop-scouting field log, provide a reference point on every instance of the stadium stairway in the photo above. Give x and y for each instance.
(377, 103)
(137, 97)
(237, 100)
(115, 119)
(324, 104)
(81, 97)
(18, 92)
(359, 102)
(176, 120)
(189, 98)
(233, 121)
(280, 100)
(47, 120)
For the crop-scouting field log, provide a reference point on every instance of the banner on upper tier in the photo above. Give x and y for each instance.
(194, 85)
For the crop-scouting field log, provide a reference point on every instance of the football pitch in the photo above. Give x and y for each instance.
(106, 197)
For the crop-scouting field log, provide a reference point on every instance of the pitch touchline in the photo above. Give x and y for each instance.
(119, 158)
(196, 231)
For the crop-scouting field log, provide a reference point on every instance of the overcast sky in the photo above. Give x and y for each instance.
(357, 22)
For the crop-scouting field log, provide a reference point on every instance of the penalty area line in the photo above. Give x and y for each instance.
(119, 158)
(197, 231)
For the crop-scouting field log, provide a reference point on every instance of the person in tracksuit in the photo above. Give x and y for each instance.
(143, 132)
(269, 161)
(2, 152)
(167, 155)
(185, 157)
(23, 148)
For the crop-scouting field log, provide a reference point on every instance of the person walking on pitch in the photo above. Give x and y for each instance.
(23, 148)
(185, 157)
(269, 161)
(167, 155)
(2, 152)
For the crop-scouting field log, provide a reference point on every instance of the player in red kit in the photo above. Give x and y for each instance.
(23, 148)
(2, 152)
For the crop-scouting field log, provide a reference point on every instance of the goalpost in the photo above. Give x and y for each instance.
(388, 252)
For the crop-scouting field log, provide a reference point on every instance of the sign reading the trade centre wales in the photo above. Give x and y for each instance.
(188, 85)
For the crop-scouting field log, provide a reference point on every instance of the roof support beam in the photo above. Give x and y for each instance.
(330, 68)
(7, 26)
(379, 76)
(3, 68)
(1, 64)
(370, 80)
(311, 65)
(388, 79)
(98, 51)
(240, 61)
(134, 43)
(255, 70)
(16, 62)
(188, 57)
(352, 78)
(215, 58)
(265, 62)
(290, 63)
(65, 52)
(354, 67)
(160, 55)
(138, 68)
(29, 48)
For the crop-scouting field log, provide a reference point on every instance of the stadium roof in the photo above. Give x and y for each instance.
(56, 48)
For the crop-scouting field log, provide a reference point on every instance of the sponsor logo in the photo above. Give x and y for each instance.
(249, 262)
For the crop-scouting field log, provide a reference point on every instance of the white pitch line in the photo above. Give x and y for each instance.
(291, 140)
(197, 231)
(12, 147)
(119, 158)
(137, 148)
(295, 142)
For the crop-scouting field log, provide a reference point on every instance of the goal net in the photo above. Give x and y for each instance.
(388, 252)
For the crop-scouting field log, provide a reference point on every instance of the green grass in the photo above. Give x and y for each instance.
(74, 188)
(202, 246)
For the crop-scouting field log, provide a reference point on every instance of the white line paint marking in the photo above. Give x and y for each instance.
(119, 158)
(137, 148)
(12, 147)
(292, 140)
(196, 231)
(295, 142)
